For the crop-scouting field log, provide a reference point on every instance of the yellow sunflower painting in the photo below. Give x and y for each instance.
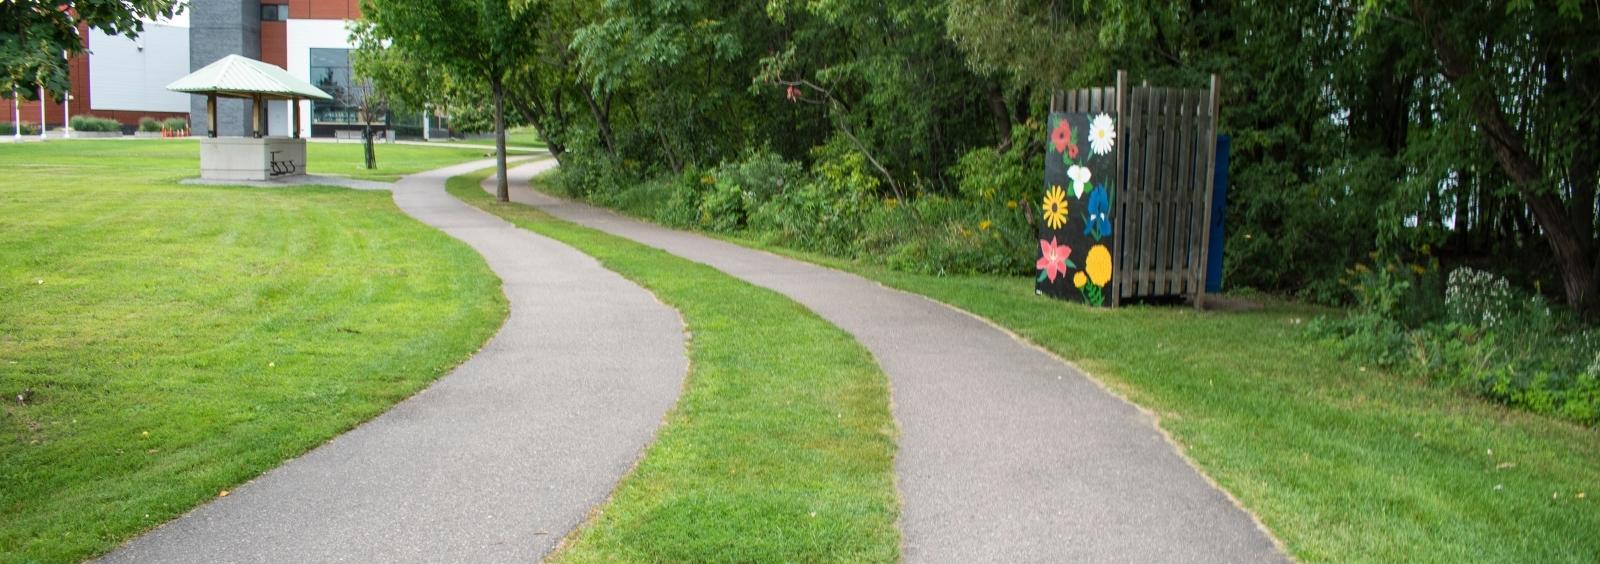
(1055, 207)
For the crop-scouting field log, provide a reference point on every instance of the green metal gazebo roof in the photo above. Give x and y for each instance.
(243, 77)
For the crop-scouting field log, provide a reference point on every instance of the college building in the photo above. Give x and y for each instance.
(125, 79)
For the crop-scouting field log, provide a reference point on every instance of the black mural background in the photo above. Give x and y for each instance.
(1084, 272)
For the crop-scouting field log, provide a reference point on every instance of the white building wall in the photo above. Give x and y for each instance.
(133, 74)
(301, 37)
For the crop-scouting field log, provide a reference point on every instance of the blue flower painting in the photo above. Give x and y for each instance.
(1098, 223)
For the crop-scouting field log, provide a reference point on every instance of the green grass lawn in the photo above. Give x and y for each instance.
(781, 448)
(515, 137)
(179, 340)
(394, 161)
(1342, 462)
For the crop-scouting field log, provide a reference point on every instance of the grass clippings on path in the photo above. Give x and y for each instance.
(179, 340)
(781, 448)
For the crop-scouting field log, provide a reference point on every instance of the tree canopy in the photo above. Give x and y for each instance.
(36, 37)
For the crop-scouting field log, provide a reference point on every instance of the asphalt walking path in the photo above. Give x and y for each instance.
(1006, 453)
(496, 461)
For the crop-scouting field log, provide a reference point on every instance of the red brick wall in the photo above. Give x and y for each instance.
(324, 9)
(275, 43)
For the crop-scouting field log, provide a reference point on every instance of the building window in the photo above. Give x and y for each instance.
(330, 71)
(274, 12)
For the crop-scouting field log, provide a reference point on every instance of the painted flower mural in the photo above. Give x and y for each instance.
(1102, 133)
(1097, 223)
(1055, 207)
(1098, 265)
(1080, 177)
(1054, 259)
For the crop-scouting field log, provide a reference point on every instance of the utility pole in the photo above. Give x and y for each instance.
(425, 136)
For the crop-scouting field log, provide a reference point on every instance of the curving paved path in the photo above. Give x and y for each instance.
(494, 462)
(1006, 454)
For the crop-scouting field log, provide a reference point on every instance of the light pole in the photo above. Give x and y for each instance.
(66, 103)
(16, 115)
(41, 112)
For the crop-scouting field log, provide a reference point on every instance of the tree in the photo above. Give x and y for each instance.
(1528, 76)
(478, 42)
(37, 37)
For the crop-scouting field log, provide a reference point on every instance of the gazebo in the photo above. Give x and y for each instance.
(258, 157)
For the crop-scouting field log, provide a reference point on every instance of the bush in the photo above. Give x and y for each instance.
(175, 124)
(149, 124)
(96, 124)
(1480, 333)
(8, 128)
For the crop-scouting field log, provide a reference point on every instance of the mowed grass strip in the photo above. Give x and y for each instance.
(179, 340)
(781, 448)
(1342, 462)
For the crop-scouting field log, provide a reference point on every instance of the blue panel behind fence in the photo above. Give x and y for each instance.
(1219, 213)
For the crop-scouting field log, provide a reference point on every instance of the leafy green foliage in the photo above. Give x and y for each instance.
(34, 35)
(87, 122)
(1480, 333)
(149, 124)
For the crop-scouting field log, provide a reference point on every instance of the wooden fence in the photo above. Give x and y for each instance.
(1166, 146)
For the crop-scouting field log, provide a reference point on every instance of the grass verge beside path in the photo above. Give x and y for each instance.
(1341, 462)
(394, 161)
(515, 137)
(781, 448)
(179, 340)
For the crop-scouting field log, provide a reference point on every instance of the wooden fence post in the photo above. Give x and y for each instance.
(1211, 179)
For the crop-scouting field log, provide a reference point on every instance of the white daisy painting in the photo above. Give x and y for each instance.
(1102, 132)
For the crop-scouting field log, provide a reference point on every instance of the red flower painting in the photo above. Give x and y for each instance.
(1061, 136)
(1053, 259)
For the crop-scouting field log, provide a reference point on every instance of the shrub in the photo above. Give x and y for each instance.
(9, 128)
(175, 124)
(1484, 335)
(149, 124)
(96, 124)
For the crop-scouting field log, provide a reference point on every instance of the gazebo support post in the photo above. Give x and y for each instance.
(211, 115)
(295, 102)
(255, 116)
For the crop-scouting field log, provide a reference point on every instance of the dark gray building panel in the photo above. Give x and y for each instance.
(218, 28)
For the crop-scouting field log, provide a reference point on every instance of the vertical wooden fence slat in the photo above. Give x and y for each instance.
(1147, 196)
(1118, 205)
(1214, 106)
(1185, 193)
(1197, 225)
(1169, 187)
(1129, 193)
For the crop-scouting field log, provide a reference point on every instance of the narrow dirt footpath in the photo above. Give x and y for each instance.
(494, 462)
(1006, 454)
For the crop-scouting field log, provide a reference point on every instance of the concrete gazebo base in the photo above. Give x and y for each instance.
(250, 158)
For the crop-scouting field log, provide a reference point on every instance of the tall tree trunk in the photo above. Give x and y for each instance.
(502, 189)
(602, 120)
